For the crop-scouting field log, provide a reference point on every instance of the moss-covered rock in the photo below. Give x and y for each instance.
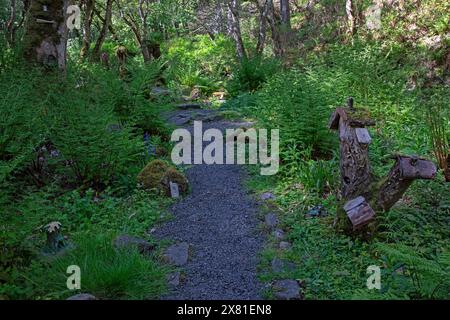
(157, 175)
(150, 177)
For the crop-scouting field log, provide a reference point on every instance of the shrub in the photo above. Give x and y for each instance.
(199, 61)
(21, 128)
(290, 103)
(251, 74)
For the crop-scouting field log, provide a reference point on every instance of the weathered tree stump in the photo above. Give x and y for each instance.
(405, 170)
(55, 240)
(363, 197)
(46, 31)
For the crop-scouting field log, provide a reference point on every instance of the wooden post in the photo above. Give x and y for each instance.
(362, 199)
(354, 150)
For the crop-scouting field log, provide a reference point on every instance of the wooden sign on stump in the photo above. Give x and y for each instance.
(359, 212)
(362, 197)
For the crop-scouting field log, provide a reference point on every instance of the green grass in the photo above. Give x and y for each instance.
(106, 272)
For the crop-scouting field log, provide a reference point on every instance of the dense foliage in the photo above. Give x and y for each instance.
(73, 143)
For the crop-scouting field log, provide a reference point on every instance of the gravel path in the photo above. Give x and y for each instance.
(218, 220)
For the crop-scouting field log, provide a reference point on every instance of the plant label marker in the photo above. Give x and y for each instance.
(174, 190)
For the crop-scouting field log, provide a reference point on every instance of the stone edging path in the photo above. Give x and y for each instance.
(217, 224)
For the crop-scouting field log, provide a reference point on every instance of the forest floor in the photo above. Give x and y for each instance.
(218, 219)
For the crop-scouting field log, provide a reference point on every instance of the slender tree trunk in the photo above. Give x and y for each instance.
(350, 17)
(262, 27)
(110, 26)
(285, 26)
(45, 39)
(233, 15)
(103, 31)
(146, 52)
(277, 47)
(285, 13)
(10, 24)
(88, 15)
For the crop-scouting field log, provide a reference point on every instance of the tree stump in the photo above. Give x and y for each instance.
(46, 31)
(55, 240)
(363, 197)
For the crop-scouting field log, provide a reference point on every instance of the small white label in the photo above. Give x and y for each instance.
(174, 190)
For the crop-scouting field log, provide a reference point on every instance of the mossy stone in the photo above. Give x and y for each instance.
(157, 175)
(150, 177)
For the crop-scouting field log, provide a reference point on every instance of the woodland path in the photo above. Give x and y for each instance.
(218, 219)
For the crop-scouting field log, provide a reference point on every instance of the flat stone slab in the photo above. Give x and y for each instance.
(278, 234)
(286, 290)
(159, 91)
(82, 296)
(284, 245)
(173, 279)
(271, 220)
(126, 241)
(177, 254)
(280, 265)
(268, 196)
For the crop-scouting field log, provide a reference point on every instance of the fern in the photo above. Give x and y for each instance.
(430, 277)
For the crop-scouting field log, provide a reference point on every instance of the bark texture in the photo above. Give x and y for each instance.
(363, 197)
(88, 15)
(45, 39)
(235, 27)
(103, 32)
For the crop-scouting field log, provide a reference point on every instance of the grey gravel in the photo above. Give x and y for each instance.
(219, 219)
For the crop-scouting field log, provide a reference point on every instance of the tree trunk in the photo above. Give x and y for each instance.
(146, 50)
(350, 17)
(262, 27)
(103, 31)
(285, 26)
(45, 39)
(10, 25)
(277, 47)
(88, 15)
(233, 15)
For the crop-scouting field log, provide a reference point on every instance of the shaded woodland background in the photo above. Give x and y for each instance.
(80, 119)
